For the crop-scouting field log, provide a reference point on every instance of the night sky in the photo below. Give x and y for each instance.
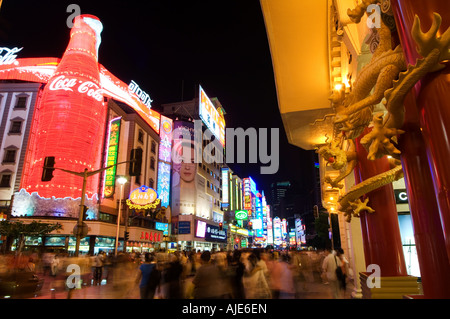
(161, 44)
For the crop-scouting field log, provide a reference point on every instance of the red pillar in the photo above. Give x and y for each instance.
(433, 100)
(381, 231)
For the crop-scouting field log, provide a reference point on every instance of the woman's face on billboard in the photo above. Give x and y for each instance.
(188, 167)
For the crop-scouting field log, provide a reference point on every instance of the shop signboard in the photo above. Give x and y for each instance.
(213, 233)
(112, 149)
(184, 227)
(241, 215)
(162, 226)
(143, 197)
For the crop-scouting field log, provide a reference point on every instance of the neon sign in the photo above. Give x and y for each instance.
(241, 215)
(165, 157)
(211, 117)
(143, 197)
(225, 185)
(85, 87)
(143, 96)
(112, 151)
(9, 55)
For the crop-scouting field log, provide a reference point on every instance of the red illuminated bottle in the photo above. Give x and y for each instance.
(69, 120)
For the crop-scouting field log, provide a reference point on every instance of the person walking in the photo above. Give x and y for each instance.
(208, 281)
(149, 277)
(329, 266)
(255, 282)
(236, 270)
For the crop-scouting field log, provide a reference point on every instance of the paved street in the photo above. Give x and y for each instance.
(53, 289)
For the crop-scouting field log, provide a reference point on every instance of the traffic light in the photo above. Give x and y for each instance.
(237, 240)
(126, 236)
(136, 162)
(220, 226)
(47, 172)
(316, 211)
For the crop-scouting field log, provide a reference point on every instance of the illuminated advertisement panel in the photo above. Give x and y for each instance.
(200, 229)
(269, 231)
(284, 228)
(164, 183)
(298, 229)
(247, 197)
(112, 149)
(213, 233)
(259, 217)
(162, 226)
(292, 240)
(165, 156)
(42, 69)
(211, 117)
(225, 183)
(277, 232)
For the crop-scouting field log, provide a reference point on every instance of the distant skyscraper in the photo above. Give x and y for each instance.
(278, 192)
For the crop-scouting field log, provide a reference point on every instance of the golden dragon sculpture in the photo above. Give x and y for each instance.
(386, 77)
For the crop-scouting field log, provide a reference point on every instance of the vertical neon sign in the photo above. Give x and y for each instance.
(225, 185)
(112, 150)
(164, 166)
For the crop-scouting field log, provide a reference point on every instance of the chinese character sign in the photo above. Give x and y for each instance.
(111, 157)
(164, 167)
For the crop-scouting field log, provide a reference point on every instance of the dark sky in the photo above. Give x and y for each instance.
(161, 44)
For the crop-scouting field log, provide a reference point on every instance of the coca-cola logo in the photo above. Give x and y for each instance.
(70, 84)
(8, 56)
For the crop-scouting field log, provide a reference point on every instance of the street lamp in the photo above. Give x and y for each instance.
(121, 180)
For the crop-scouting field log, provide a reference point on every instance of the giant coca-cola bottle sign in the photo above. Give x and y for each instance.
(70, 118)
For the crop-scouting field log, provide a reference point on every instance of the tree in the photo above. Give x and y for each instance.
(18, 230)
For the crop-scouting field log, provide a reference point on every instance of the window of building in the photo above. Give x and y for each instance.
(10, 156)
(151, 183)
(5, 180)
(16, 127)
(153, 149)
(152, 163)
(141, 136)
(21, 102)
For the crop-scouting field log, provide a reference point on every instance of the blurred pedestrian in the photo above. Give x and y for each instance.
(208, 281)
(98, 268)
(172, 277)
(236, 270)
(345, 269)
(255, 283)
(31, 266)
(329, 266)
(149, 277)
(275, 270)
(54, 265)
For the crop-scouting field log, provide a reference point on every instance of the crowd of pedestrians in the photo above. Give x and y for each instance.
(239, 274)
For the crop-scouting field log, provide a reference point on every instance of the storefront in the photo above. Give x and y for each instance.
(194, 234)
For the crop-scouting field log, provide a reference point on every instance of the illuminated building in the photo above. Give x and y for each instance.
(197, 194)
(93, 120)
(341, 100)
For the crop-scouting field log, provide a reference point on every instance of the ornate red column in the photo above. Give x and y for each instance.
(433, 101)
(381, 231)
